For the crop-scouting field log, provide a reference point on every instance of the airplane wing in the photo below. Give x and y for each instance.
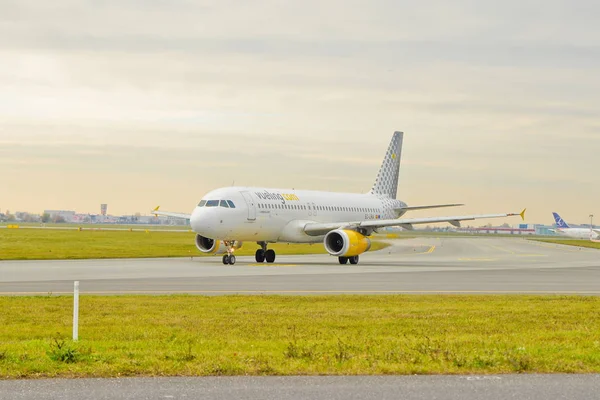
(317, 229)
(412, 208)
(156, 212)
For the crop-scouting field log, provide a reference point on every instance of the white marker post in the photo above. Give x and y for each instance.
(76, 311)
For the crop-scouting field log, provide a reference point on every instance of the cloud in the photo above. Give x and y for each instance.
(498, 101)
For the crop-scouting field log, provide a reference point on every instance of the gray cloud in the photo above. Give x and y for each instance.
(498, 100)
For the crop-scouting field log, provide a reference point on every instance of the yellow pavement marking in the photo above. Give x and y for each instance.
(431, 250)
(503, 249)
(477, 259)
(518, 254)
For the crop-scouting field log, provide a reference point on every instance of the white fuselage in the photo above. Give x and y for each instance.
(578, 233)
(279, 215)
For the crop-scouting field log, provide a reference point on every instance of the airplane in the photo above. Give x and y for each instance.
(562, 228)
(225, 218)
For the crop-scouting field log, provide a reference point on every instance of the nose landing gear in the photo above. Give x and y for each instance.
(263, 254)
(229, 258)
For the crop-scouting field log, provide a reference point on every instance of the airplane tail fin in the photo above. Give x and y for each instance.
(386, 183)
(560, 223)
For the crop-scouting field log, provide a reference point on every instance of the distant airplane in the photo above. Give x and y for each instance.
(562, 228)
(226, 217)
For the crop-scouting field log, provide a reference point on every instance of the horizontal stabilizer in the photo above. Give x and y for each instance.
(412, 208)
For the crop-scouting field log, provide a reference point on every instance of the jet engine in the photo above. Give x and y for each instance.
(346, 243)
(212, 246)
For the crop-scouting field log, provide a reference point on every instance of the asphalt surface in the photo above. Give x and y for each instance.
(421, 265)
(522, 387)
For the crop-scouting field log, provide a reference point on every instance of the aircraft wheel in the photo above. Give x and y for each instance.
(259, 256)
(343, 260)
(353, 260)
(231, 259)
(226, 259)
(270, 256)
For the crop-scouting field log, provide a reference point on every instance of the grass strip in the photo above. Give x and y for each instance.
(36, 244)
(140, 227)
(287, 335)
(572, 242)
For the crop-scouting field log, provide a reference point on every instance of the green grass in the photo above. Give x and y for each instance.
(49, 244)
(50, 225)
(285, 335)
(572, 242)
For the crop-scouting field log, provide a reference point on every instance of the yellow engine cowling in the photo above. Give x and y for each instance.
(346, 243)
(212, 246)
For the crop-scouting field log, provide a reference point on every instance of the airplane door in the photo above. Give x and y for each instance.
(314, 209)
(251, 206)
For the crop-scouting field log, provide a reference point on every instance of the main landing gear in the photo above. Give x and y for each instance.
(344, 260)
(229, 258)
(263, 254)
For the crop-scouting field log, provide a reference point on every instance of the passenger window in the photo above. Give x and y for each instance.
(231, 205)
(224, 204)
(202, 203)
(212, 203)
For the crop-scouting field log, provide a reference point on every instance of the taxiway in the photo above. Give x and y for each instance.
(421, 265)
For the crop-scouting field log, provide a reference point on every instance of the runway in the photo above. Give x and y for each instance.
(421, 265)
(525, 387)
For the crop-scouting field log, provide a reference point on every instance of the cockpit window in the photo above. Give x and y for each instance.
(224, 204)
(212, 203)
(230, 203)
(202, 203)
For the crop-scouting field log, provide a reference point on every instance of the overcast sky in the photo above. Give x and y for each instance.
(147, 102)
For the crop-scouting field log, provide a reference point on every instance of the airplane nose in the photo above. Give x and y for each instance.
(201, 221)
(196, 220)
